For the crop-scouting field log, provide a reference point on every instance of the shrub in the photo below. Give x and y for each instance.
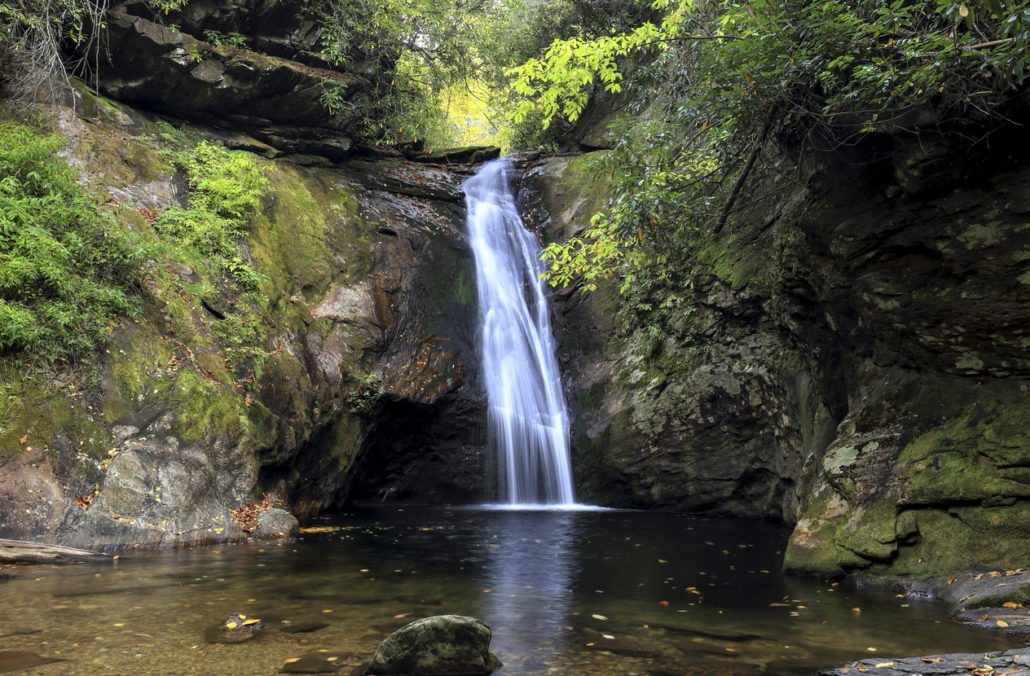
(66, 269)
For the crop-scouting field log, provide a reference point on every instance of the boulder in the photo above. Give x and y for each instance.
(275, 524)
(443, 644)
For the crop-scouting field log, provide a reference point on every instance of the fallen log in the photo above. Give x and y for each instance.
(23, 551)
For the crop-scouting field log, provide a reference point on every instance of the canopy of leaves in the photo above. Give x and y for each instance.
(65, 270)
(727, 79)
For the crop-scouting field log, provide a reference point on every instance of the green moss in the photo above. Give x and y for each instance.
(131, 377)
(41, 412)
(964, 538)
(205, 410)
(974, 456)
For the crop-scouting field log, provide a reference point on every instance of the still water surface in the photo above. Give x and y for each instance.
(565, 592)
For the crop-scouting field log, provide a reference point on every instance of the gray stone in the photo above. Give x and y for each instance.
(443, 644)
(275, 524)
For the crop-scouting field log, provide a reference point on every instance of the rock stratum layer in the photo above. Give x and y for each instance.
(852, 357)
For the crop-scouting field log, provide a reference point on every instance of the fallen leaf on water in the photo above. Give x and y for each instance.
(1011, 604)
(291, 660)
(608, 636)
(247, 623)
(693, 590)
(317, 529)
(779, 605)
(662, 561)
(856, 610)
(401, 616)
(884, 665)
(328, 610)
(1002, 623)
(231, 625)
(119, 624)
(663, 603)
(599, 617)
(331, 659)
(871, 649)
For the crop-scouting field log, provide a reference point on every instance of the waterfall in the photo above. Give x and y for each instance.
(527, 425)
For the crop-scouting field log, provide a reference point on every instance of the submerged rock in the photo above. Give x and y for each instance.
(442, 644)
(274, 524)
(980, 664)
(19, 660)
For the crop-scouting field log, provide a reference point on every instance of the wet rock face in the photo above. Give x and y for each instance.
(851, 357)
(444, 644)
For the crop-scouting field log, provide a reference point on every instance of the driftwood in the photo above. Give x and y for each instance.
(22, 551)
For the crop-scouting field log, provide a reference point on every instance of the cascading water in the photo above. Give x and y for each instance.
(528, 424)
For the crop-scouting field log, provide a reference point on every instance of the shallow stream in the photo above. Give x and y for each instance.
(571, 592)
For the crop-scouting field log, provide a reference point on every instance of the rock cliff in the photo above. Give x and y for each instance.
(851, 358)
(367, 323)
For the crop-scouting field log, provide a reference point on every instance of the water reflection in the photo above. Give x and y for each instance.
(533, 561)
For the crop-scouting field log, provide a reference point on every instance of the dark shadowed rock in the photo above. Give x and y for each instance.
(443, 644)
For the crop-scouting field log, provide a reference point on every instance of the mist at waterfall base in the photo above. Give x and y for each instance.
(527, 420)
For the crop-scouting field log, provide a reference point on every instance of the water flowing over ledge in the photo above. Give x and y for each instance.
(528, 423)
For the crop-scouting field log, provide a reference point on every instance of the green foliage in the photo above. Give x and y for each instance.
(66, 270)
(727, 78)
(422, 47)
(363, 393)
(218, 39)
(226, 188)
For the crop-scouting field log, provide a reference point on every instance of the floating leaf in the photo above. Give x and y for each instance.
(1011, 604)
(1002, 623)
(599, 617)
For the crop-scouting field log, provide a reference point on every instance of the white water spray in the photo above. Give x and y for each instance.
(528, 425)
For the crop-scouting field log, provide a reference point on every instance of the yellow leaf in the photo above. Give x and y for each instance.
(250, 622)
(291, 660)
(1011, 604)
(231, 625)
(599, 617)
(863, 668)
(963, 11)
(1002, 623)
(884, 665)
